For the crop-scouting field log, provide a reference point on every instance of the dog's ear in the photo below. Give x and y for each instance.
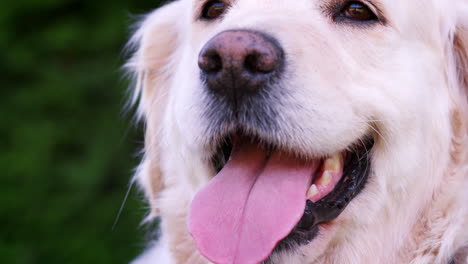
(154, 43)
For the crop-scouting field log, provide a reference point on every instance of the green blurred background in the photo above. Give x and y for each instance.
(66, 149)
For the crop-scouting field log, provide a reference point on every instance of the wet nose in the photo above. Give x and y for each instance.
(237, 63)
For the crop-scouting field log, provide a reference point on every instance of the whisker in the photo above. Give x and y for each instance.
(365, 147)
(374, 120)
(123, 204)
(378, 133)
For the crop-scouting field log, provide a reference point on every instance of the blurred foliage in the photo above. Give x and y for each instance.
(66, 149)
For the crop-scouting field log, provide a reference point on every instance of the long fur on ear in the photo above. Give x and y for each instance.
(154, 43)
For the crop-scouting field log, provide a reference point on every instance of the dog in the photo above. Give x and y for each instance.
(308, 131)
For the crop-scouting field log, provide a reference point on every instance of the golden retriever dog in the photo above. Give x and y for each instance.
(306, 131)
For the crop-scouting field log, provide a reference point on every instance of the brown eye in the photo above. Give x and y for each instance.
(358, 11)
(213, 10)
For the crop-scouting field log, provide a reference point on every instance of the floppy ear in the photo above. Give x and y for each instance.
(155, 43)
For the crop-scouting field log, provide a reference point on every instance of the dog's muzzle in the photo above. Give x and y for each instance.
(265, 198)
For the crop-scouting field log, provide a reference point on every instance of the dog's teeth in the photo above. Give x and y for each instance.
(333, 163)
(313, 190)
(325, 178)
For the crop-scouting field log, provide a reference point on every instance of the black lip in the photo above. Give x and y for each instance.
(355, 174)
(222, 154)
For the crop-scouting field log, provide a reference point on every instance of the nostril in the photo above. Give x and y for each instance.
(251, 63)
(260, 63)
(210, 62)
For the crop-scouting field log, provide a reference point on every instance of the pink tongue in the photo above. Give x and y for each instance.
(251, 205)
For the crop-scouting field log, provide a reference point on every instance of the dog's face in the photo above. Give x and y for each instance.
(283, 130)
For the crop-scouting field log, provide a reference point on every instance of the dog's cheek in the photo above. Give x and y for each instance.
(154, 46)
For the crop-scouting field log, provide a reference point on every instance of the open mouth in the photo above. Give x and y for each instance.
(264, 200)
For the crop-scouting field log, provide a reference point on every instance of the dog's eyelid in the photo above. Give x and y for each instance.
(376, 10)
(371, 6)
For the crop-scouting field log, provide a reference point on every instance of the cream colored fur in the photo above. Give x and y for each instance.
(405, 82)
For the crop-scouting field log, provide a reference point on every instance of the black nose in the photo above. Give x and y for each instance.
(237, 63)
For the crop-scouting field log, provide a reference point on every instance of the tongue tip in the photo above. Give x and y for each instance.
(209, 249)
(212, 247)
(249, 207)
(245, 258)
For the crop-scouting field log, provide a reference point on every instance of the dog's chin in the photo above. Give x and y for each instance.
(323, 204)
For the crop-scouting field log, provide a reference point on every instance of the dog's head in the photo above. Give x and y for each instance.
(284, 130)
